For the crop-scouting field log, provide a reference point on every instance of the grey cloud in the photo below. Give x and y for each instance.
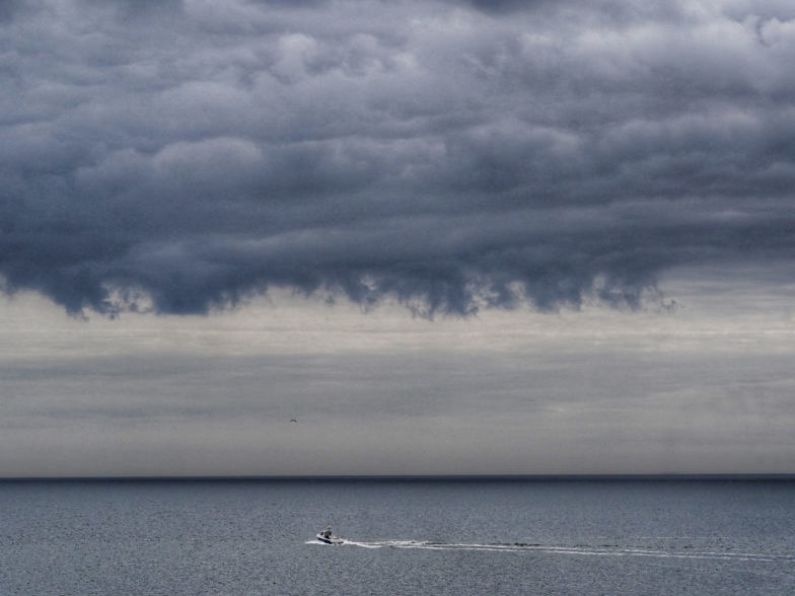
(620, 410)
(454, 155)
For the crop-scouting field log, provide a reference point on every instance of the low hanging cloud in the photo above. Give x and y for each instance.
(182, 156)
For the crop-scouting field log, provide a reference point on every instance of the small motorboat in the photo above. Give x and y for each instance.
(327, 537)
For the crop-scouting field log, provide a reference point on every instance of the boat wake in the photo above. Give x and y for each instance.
(579, 550)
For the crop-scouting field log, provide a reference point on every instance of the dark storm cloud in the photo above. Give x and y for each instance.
(454, 155)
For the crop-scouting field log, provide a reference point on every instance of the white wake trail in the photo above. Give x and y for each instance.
(585, 551)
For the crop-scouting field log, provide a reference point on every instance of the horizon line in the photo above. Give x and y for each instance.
(408, 477)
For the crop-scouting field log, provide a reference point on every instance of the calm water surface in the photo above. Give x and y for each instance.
(565, 537)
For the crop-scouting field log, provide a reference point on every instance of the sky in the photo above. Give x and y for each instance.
(443, 236)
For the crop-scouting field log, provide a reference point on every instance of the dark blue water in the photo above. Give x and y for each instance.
(565, 537)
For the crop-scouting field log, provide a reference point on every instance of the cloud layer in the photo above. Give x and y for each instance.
(453, 155)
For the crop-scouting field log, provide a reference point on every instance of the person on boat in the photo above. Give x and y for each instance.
(326, 533)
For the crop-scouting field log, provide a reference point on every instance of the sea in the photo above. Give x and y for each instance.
(402, 536)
